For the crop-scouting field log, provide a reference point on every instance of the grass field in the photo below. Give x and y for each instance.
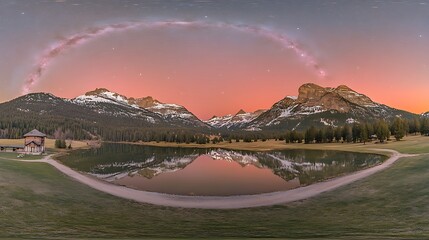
(49, 143)
(412, 144)
(17, 156)
(36, 201)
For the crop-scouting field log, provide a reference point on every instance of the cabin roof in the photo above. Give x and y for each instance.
(35, 133)
(36, 143)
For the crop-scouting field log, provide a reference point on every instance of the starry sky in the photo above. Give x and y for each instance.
(379, 48)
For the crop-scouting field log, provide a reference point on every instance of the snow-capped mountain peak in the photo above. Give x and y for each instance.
(234, 121)
(168, 111)
(102, 95)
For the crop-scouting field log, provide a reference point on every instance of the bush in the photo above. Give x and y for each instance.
(60, 143)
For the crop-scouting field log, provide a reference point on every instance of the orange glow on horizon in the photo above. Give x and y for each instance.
(214, 72)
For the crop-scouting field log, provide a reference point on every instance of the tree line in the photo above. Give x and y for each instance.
(63, 129)
(365, 132)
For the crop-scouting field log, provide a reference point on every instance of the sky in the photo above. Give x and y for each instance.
(216, 57)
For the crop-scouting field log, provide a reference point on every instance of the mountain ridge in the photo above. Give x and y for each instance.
(166, 110)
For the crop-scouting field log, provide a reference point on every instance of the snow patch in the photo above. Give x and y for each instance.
(311, 110)
(166, 106)
(23, 110)
(327, 122)
(293, 129)
(351, 120)
(252, 129)
(284, 113)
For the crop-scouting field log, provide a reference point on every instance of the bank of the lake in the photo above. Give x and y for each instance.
(413, 144)
(270, 145)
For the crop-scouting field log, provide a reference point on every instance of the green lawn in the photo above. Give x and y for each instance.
(12, 155)
(36, 201)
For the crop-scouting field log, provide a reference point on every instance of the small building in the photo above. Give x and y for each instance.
(34, 142)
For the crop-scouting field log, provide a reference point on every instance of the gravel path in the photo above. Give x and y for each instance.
(228, 202)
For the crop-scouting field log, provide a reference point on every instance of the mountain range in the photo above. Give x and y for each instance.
(104, 113)
(315, 106)
(320, 106)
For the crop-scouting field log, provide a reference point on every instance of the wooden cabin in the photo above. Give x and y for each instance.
(34, 142)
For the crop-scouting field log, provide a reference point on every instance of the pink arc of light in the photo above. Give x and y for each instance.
(60, 47)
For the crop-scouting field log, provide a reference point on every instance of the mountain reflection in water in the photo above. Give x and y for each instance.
(218, 172)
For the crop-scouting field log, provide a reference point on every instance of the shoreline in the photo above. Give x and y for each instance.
(269, 145)
(272, 145)
(225, 202)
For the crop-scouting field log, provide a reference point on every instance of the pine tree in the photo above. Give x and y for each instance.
(416, 125)
(356, 129)
(287, 137)
(382, 131)
(398, 128)
(424, 126)
(329, 134)
(347, 133)
(320, 136)
(310, 135)
(364, 134)
(338, 134)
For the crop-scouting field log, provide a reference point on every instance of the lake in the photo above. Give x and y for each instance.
(214, 172)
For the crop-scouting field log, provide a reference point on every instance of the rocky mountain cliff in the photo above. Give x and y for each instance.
(320, 106)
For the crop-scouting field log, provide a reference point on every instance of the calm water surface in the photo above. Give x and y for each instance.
(214, 172)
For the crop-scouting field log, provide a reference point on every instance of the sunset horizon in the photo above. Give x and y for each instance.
(206, 112)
